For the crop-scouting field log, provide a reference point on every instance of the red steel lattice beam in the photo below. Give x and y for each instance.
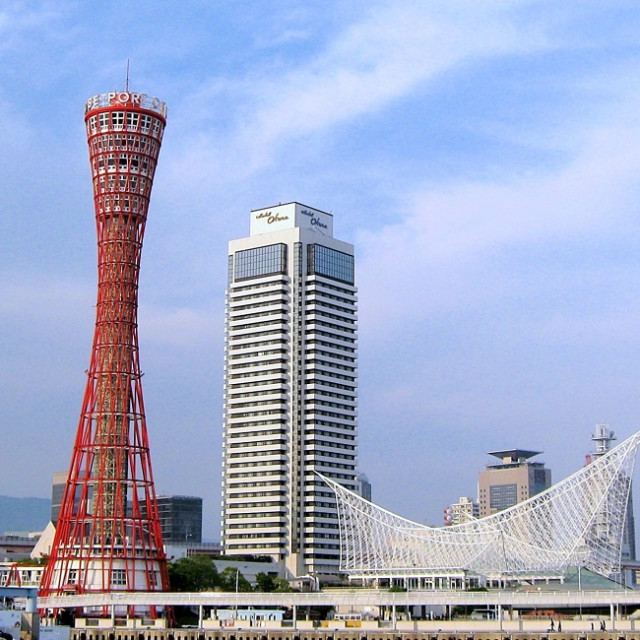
(108, 535)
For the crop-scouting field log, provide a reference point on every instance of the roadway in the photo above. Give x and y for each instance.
(533, 599)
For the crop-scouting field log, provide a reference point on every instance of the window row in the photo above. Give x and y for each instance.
(282, 370)
(257, 525)
(129, 162)
(124, 182)
(313, 362)
(241, 290)
(115, 202)
(330, 263)
(260, 261)
(322, 286)
(125, 142)
(125, 120)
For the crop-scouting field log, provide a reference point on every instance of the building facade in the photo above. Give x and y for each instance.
(180, 519)
(465, 510)
(363, 486)
(513, 480)
(58, 486)
(290, 388)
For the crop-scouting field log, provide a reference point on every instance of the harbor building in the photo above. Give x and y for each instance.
(555, 536)
(513, 480)
(290, 389)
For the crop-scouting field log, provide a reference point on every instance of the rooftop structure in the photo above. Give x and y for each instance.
(513, 480)
(542, 536)
(513, 456)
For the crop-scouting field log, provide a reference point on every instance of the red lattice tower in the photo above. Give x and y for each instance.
(108, 535)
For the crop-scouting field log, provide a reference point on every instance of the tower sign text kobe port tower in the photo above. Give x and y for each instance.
(108, 536)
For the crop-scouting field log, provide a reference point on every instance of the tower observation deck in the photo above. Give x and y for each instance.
(108, 536)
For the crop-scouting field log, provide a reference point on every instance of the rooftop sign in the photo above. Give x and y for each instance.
(290, 215)
(126, 98)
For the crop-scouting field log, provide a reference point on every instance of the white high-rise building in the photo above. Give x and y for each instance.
(290, 388)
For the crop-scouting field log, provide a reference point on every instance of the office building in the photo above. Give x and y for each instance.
(57, 493)
(513, 480)
(180, 519)
(363, 486)
(290, 388)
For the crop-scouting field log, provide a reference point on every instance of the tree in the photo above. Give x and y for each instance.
(265, 582)
(231, 580)
(195, 573)
(282, 585)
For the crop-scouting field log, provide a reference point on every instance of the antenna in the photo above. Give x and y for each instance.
(127, 83)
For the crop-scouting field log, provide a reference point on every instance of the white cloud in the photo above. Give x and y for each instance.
(449, 230)
(384, 57)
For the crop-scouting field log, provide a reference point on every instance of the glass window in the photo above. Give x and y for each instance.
(132, 120)
(330, 263)
(146, 123)
(119, 578)
(261, 261)
(117, 117)
(503, 496)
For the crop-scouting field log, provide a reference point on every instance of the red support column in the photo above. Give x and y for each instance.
(108, 535)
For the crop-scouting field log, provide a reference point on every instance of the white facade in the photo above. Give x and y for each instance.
(290, 388)
(465, 510)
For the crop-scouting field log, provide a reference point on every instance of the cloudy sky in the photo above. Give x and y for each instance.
(483, 157)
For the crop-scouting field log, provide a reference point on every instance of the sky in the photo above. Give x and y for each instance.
(483, 158)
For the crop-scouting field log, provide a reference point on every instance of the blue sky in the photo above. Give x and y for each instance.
(483, 157)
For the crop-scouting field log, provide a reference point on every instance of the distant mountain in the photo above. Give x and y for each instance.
(24, 514)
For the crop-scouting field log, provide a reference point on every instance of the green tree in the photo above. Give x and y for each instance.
(265, 582)
(231, 578)
(195, 573)
(282, 585)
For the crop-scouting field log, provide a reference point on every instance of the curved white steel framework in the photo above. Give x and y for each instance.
(578, 522)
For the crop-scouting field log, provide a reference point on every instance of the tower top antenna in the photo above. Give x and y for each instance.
(126, 88)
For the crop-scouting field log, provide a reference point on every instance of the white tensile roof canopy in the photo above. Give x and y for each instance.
(578, 522)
